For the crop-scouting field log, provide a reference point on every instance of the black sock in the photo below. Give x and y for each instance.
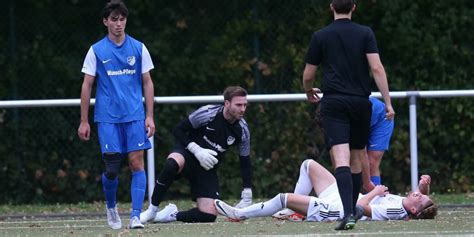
(344, 184)
(356, 185)
(194, 215)
(164, 181)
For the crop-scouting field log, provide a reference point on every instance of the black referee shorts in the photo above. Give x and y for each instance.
(346, 119)
(204, 183)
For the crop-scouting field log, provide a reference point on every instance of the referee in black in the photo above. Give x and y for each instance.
(346, 51)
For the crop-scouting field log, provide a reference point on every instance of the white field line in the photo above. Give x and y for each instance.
(29, 221)
(464, 233)
(53, 227)
(378, 233)
(49, 221)
(80, 224)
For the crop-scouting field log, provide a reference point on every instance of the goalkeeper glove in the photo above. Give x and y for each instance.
(206, 157)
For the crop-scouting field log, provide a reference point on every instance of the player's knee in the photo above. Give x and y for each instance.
(112, 165)
(374, 163)
(305, 164)
(135, 161)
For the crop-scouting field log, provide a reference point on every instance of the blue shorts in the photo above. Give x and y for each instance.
(380, 134)
(123, 137)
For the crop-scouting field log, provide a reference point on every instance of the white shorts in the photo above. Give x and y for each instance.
(326, 207)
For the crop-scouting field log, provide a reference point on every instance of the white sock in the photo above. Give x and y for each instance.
(304, 185)
(267, 208)
(153, 207)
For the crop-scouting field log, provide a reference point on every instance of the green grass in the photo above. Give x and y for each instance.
(454, 199)
(8, 209)
(457, 222)
(450, 221)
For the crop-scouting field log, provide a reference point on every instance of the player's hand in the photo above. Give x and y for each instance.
(389, 112)
(206, 157)
(246, 200)
(424, 184)
(149, 126)
(84, 131)
(380, 190)
(312, 95)
(425, 180)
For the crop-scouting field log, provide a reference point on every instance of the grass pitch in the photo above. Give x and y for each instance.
(90, 220)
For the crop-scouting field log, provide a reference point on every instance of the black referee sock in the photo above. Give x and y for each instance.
(194, 215)
(164, 181)
(356, 185)
(344, 185)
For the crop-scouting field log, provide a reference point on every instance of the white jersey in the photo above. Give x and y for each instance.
(328, 207)
(388, 207)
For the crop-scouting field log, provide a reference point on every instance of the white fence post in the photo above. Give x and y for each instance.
(150, 167)
(413, 144)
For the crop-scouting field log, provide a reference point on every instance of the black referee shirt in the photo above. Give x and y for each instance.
(341, 49)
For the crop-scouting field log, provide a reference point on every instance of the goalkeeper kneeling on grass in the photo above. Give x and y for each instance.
(202, 140)
(327, 206)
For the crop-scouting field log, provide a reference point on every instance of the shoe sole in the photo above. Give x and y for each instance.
(348, 226)
(292, 218)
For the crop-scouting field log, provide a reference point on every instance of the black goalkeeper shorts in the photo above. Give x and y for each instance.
(204, 183)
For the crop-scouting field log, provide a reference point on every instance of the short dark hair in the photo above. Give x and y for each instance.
(114, 6)
(342, 6)
(233, 91)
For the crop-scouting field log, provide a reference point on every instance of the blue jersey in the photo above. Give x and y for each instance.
(118, 70)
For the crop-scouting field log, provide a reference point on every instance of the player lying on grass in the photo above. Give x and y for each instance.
(327, 206)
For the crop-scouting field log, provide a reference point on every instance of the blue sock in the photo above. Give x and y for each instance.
(137, 190)
(376, 180)
(110, 190)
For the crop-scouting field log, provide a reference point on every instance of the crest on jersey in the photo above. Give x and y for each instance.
(230, 140)
(131, 60)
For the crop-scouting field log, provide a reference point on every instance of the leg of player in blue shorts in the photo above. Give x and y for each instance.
(381, 130)
(120, 140)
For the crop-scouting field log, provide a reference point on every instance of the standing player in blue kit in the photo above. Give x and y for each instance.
(121, 65)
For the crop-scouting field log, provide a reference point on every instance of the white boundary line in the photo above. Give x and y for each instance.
(397, 233)
(53, 227)
(377, 233)
(99, 218)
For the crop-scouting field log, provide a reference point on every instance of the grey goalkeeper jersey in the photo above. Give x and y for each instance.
(212, 131)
